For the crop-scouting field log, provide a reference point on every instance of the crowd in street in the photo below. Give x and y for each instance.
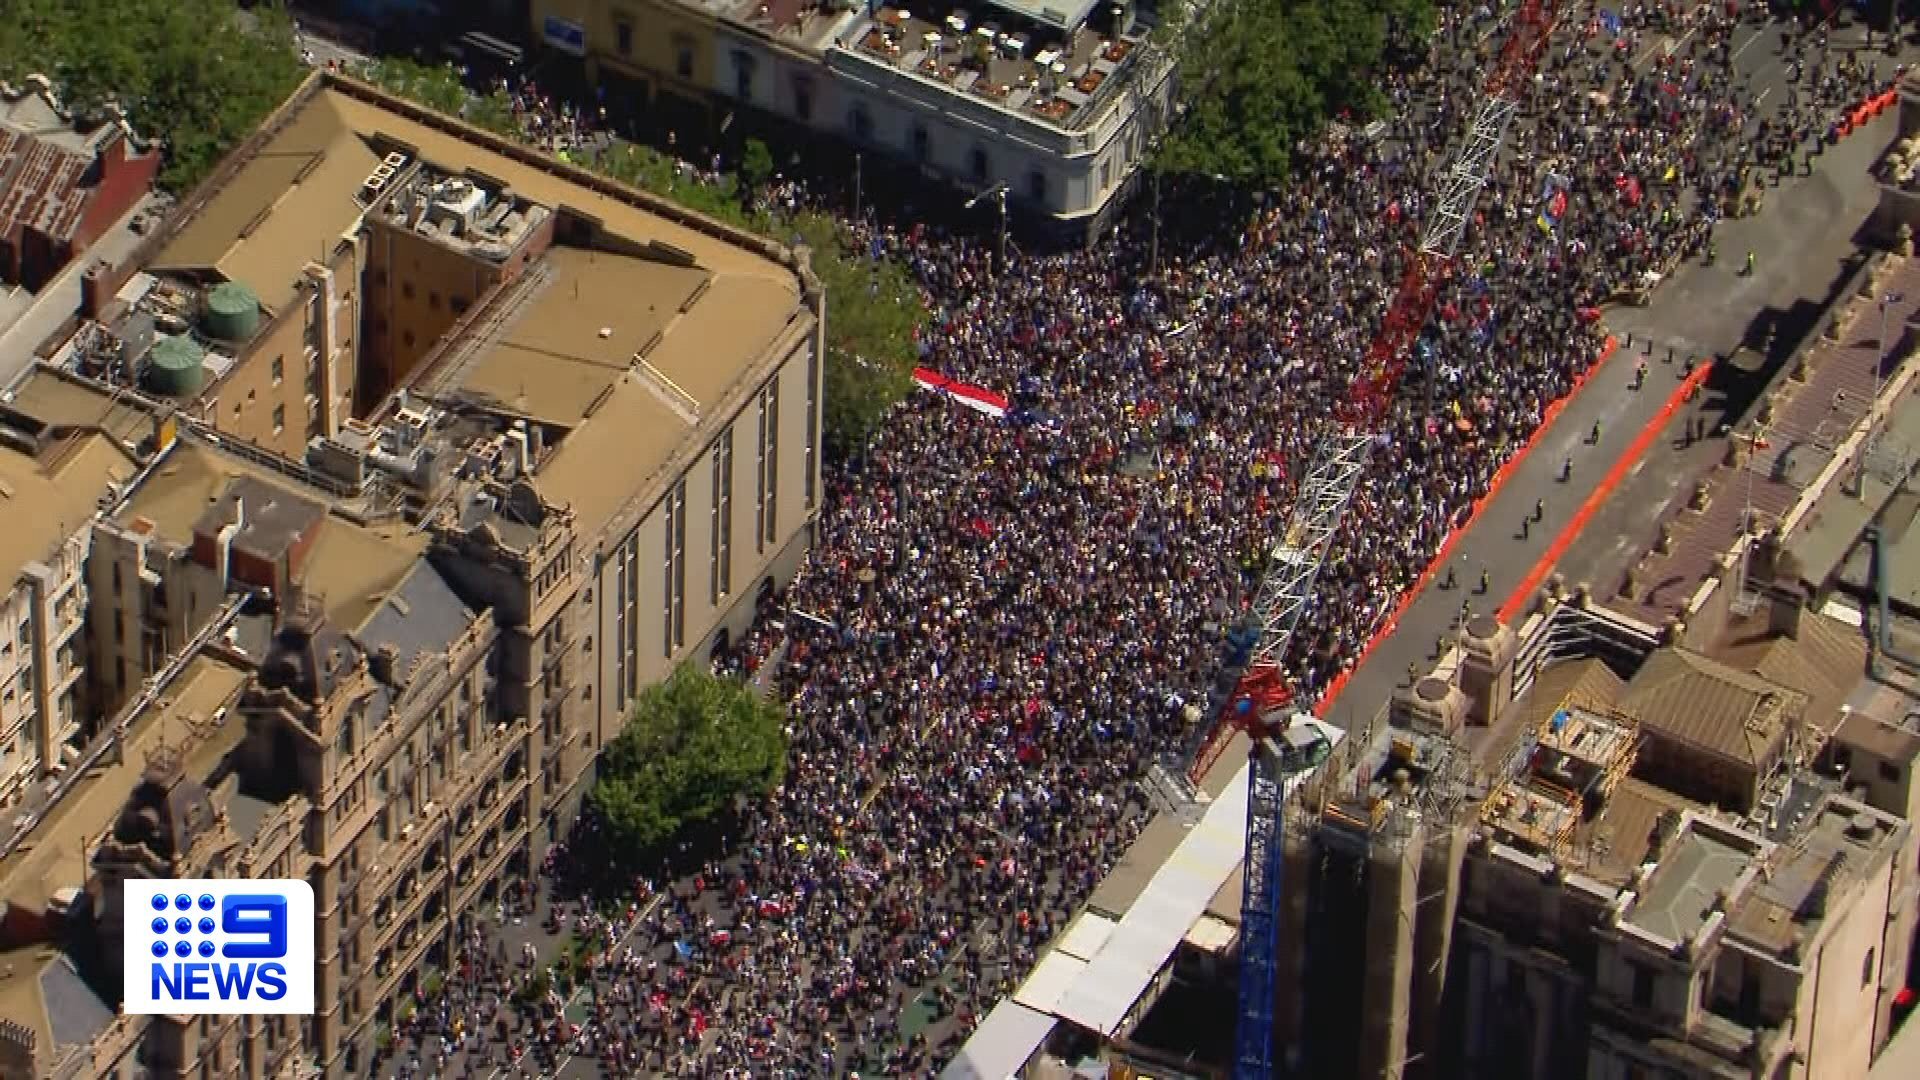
(1007, 618)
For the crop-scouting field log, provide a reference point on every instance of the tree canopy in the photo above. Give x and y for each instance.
(439, 87)
(199, 75)
(693, 745)
(1258, 76)
(874, 314)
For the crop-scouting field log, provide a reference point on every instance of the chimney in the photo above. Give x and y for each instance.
(1784, 607)
(94, 293)
(223, 540)
(383, 662)
(522, 454)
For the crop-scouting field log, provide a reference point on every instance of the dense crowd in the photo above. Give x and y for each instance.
(1006, 619)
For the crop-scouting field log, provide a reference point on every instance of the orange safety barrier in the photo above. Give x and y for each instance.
(1500, 478)
(1522, 595)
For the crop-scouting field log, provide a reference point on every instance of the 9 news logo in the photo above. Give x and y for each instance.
(196, 947)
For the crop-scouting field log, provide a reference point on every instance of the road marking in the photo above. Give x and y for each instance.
(1757, 35)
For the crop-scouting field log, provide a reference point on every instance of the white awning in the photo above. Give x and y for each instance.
(1002, 1045)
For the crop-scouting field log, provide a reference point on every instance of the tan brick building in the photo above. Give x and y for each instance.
(494, 418)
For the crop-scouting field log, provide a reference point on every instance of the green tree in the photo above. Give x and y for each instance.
(198, 75)
(756, 164)
(437, 86)
(1258, 76)
(693, 745)
(493, 113)
(875, 311)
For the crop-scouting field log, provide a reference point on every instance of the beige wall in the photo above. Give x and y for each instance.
(1838, 1000)
(415, 289)
(277, 394)
(630, 586)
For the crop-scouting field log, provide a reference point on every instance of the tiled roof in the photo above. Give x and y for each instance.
(1688, 698)
(1823, 661)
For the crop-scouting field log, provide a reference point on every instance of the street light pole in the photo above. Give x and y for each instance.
(999, 192)
(856, 187)
(1000, 259)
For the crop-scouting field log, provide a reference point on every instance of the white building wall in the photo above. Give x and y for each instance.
(40, 662)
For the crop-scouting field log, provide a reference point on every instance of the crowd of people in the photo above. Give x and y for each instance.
(1005, 619)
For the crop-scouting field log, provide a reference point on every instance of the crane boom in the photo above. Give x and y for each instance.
(1295, 560)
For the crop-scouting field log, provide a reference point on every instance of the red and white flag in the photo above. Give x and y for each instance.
(977, 398)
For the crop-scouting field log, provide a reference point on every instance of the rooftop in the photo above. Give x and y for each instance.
(352, 566)
(47, 499)
(61, 402)
(1823, 660)
(47, 158)
(573, 341)
(41, 988)
(54, 856)
(809, 23)
(1690, 699)
(1618, 840)
(1840, 843)
(1812, 419)
(1695, 871)
(288, 205)
(1043, 61)
(420, 619)
(351, 109)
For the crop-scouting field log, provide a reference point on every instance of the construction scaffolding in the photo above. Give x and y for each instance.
(1559, 775)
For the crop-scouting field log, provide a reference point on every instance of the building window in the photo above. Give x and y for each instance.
(1642, 986)
(922, 143)
(1106, 175)
(279, 369)
(457, 304)
(766, 509)
(980, 164)
(623, 38)
(1866, 970)
(433, 299)
(1890, 772)
(862, 121)
(683, 57)
(406, 337)
(279, 419)
(803, 98)
(675, 593)
(743, 76)
(406, 289)
(1037, 186)
(720, 575)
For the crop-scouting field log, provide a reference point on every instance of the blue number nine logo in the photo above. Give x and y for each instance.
(259, 916)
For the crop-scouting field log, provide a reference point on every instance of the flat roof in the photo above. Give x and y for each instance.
(1002, 1045)
(550, 186)
(352, 567)
(45, 500)
(1692, 873)
(56, 400)
(580, 335)
(288, 205)
(1050, 979)
(54, 857)
(41, 987)
(1840, 843)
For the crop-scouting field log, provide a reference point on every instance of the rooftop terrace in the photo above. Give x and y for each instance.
(1047, 72)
